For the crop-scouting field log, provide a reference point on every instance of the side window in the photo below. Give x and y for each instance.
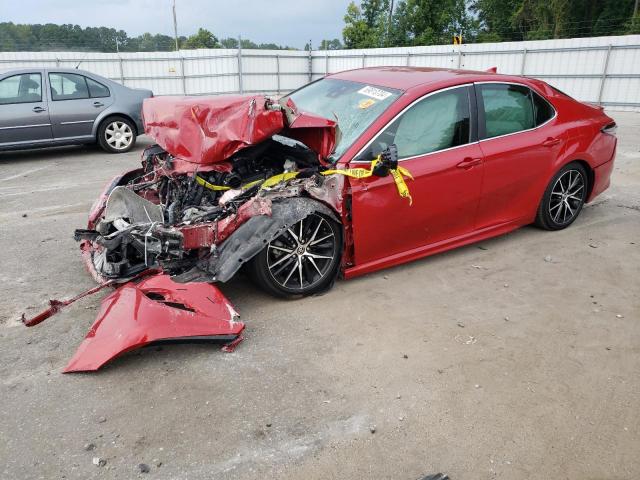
(543, 109)
(440, 121)
(97, 90)
(24, 88)
(507, 109)
(68, 86)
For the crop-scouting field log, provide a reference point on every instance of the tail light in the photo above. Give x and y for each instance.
(610, 129)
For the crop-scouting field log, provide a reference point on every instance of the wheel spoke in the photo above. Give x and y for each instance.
(295, 265)
(275, 247)
(293, 235)
(313, 262)
(557, 215)
(315, 242)
(300, 271)
(282, 259)
(315, 255)
(315, 232)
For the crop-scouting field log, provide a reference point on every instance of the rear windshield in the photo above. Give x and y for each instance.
(354, 105)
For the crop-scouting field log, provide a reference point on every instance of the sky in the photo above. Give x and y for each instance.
(285, 22)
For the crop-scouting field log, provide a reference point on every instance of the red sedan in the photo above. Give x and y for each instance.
(355, 172)
(487, 153)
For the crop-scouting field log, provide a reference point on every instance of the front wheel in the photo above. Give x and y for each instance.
(564, 198)
(303, 260)
(116, 135)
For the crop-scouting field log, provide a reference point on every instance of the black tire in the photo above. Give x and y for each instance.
(564, 198)
(269, 268)
(114, 131)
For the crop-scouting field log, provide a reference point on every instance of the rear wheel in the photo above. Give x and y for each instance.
(116, 135)
(303, 260)
(564, 198)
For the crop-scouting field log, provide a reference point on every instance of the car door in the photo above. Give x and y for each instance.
(519, 142)
(24, 117)
(436, 141)
(76, 102)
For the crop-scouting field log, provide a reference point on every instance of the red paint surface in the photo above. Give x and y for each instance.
(454, 207)
(201, 131)
(129, 319)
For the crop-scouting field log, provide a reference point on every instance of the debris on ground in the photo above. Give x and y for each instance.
(99, 462)
(143, 468)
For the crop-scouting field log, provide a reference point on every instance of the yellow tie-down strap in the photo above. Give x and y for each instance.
(398, 175)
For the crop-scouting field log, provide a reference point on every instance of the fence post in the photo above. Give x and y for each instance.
(121, 70)
(326, 63)
(604, 75)
(310, 63)
(57, 62)
(459, 56)
(278, 72)
(408, 59)
(240, 86)
(364, 56)
(184, 79)
(524, 61)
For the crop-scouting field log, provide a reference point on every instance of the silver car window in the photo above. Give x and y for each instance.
(68, 86)
(23, 88)
(96, 89)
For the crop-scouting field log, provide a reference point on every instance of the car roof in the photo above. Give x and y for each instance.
(405, 78)
(47, 68)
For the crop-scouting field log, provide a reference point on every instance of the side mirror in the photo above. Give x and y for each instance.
(388, 161)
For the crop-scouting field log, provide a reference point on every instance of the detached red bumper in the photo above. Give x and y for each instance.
(156, 310)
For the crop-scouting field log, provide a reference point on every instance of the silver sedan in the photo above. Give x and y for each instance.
(42, 107)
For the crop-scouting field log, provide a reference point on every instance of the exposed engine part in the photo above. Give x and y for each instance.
(178, 220)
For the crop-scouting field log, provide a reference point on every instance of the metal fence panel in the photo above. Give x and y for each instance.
(598, 69)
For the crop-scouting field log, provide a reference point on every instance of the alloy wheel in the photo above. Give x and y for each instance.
(118, 135)
(567, 196)
(303, 255)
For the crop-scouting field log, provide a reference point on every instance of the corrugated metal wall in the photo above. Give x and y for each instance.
(600, 69)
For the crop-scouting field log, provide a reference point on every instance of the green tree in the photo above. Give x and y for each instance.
(203, 39)
(428, 22)
(334, 44)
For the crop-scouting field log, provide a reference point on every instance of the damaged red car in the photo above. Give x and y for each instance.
(352, 173)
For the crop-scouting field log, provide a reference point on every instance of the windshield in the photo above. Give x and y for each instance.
(354, 105)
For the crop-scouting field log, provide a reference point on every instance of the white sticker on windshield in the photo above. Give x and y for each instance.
(374, 92)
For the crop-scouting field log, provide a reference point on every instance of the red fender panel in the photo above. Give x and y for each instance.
(156, 309)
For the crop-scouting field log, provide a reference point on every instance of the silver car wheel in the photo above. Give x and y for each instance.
(118, 135)
(303, 255)
(567, 196)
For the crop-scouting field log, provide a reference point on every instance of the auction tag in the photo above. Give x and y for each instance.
(374, 92)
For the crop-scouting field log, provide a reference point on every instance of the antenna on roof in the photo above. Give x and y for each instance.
(81, 60)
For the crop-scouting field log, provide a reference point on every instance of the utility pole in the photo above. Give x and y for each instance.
(391, 17)
(175, 24)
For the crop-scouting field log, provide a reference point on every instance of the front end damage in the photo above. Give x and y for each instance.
(227, 176)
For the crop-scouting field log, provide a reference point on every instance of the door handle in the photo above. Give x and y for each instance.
(39, 109)
(469, 162)
(98, 104)
(551, 142)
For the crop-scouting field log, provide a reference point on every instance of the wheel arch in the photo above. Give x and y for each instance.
(106, 116)
(586, 165)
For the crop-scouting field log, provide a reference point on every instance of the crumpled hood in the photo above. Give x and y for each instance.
(208, 130)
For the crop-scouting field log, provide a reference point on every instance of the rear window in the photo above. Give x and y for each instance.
(507, 109)
(543, 109)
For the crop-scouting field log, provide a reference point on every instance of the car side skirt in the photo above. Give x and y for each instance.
(432, 249)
